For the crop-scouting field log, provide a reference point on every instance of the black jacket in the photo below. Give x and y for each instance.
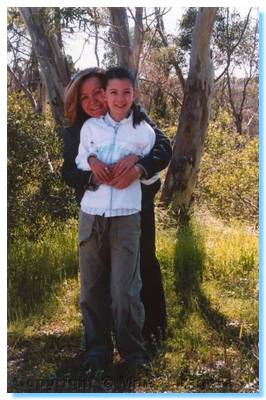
(155, 161)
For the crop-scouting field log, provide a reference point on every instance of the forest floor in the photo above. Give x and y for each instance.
(210, 277)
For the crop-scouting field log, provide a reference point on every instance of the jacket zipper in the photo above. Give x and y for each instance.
(111, 159)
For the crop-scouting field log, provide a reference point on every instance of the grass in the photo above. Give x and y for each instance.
(213, 307)
(211, 284)
(36, 269)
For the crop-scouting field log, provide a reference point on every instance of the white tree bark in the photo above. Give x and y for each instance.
(138, 38)
(193, 122)
(120, 34)
(50, 57)
(127, 49)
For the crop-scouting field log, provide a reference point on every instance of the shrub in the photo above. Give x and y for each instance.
(228, 179)
(36, 193)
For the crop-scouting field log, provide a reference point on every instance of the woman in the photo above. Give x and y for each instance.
(84, 98)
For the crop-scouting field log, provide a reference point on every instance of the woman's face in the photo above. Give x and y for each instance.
(92, 99)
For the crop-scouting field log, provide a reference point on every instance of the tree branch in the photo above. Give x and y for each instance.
(96, 39)
(82, 50)
(230, 51)
(23, 87)
(172, 60)
(164, 90)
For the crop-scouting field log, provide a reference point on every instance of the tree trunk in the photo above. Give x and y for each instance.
(184, 167)
(127, 50)
(138, 38)
(120, 35)
(41, 97)
(51, 59)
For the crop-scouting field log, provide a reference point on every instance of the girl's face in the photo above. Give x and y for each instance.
(92, 98)
(119, 95)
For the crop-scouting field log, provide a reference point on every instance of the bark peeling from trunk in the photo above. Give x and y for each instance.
(50, 58)
(183, 170)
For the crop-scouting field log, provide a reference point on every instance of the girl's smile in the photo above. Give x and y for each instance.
(119, 95)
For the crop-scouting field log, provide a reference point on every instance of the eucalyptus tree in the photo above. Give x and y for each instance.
(235, 58)
(49, 52)
(193, 121)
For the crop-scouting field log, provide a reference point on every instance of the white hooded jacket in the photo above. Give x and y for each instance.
(110, 141)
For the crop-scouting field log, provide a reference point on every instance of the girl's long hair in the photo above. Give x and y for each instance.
(125, 73)
(72, 107)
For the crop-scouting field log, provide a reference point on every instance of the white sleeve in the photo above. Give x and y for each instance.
(85, 148)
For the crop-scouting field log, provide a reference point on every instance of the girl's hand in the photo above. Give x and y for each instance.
(101, 171)
(124, 180)
(123, 165)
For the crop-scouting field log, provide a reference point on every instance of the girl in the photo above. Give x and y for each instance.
(109, 228)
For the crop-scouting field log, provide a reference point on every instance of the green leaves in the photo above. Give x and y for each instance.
(36, 193)
(228, 181)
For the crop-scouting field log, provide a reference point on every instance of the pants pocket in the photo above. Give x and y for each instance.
(86, 222)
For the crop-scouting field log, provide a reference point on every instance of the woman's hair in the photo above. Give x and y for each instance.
(72, 107)
(125, 73)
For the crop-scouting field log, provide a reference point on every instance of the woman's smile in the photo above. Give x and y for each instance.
(92, 99)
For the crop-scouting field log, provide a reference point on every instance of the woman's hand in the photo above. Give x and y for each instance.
(101, 171)
(123, 165)
(124, 180)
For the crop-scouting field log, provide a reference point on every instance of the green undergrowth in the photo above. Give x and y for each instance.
(211, 281)
(210, 274)
(37, 268)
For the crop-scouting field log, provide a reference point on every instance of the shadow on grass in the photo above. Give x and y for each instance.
(189, 266)
(54, 364)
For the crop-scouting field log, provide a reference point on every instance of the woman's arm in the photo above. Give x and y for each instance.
(75, 178)
(160, 155)
(157, 159)
(72, 175)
